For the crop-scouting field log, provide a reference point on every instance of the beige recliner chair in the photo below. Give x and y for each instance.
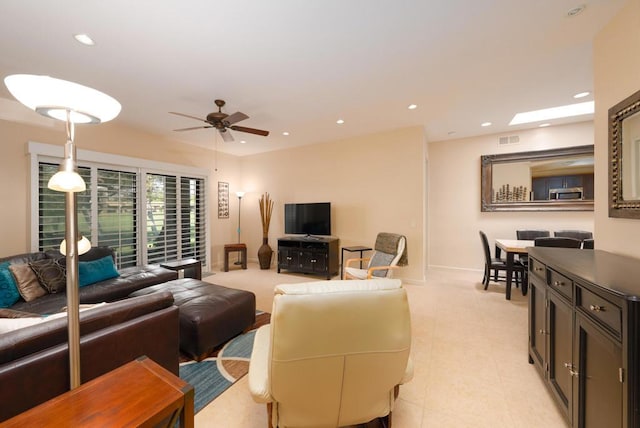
(334, 353)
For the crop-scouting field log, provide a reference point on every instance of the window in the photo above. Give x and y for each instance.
(173, 224)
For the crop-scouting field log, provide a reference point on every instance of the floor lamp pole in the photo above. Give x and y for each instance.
(71, 236)
(240, 195)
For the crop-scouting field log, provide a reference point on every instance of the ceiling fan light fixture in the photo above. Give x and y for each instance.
(339, 121)
(285, 133)
(412, 106)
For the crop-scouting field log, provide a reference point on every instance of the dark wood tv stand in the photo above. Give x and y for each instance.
(309, 254)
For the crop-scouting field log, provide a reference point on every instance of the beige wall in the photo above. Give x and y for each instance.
(112, 138)
(374, 183)
(616, 76)
(454, 195)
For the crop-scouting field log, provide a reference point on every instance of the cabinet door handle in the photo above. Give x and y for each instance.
(538, 269)
(541, 331)
(596, 308)
(572, 372)
(558, 283)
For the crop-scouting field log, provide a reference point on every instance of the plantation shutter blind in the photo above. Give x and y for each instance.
(118, 215)
(162, 218)
(51, 209)
(193, 218)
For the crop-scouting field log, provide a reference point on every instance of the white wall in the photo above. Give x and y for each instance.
(454, 195)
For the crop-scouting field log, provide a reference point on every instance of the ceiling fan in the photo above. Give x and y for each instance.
(223, 122)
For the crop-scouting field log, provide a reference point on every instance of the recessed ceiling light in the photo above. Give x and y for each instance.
(544, 125)
(553, 113)
(485, 124)
(339, 121)
(243, 142)
(84, 39)
(412, 106)
(576, 10)
(581, 94)
(285, 133)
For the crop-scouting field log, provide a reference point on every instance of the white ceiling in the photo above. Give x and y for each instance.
(298, 66)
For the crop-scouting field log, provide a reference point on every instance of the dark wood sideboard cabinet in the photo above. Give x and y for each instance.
(313, 255)
(584, 333)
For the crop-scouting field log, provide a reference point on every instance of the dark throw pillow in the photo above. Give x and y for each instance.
(51, 273)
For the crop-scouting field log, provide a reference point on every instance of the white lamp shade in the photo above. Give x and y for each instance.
(54, 97)
(67, 181)
(240, 194)
(84, 245)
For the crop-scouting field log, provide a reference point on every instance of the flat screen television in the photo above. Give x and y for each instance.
(307, 219)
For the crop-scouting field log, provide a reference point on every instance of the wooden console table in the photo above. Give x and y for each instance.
(140, 393)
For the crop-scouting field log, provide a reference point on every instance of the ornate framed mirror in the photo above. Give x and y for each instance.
(624, 158)
(545, 180)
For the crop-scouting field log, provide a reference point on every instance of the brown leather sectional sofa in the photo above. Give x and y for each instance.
(131, 279)
(34, 360)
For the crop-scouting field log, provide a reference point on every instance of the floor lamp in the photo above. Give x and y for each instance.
(71, 103)
(239, 195)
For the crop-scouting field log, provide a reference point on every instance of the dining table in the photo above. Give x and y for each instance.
(513, 247)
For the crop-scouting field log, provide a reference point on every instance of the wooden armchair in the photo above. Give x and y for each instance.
(390, 252)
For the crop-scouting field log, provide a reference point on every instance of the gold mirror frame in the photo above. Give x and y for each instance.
(487, 162)
(618, 206)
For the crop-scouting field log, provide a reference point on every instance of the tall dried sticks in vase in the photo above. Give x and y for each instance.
(507, 193)
(266, 208)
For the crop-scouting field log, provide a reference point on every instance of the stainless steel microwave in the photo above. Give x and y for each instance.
(571, 193)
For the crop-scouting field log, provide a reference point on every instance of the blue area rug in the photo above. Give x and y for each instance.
(212, 376)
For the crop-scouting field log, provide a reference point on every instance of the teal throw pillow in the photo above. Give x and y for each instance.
(96, 271)
(8, 288)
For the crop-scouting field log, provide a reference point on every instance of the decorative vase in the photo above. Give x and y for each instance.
(264, 254)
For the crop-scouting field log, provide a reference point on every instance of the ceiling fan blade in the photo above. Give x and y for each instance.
(192, 128)
(235, 118)
(250, 130)
(226, 135)
(186, 115)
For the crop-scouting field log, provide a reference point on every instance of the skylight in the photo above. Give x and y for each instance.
(553, 113)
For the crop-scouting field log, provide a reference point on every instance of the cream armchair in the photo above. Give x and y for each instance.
(334, 353)
(390, 251)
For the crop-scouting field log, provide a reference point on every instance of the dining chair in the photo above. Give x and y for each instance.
(577, 234)
(495, 265)
(558, 242)
(531, 234)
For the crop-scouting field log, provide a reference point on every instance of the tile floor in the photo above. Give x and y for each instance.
(469, 350)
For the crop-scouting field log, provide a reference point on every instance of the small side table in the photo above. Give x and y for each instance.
(229, 248)
(357, 248)
(192, 268)
(140, 393)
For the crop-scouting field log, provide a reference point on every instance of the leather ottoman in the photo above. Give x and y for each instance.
(210, 314)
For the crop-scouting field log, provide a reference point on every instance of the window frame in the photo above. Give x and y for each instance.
(41, 152)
